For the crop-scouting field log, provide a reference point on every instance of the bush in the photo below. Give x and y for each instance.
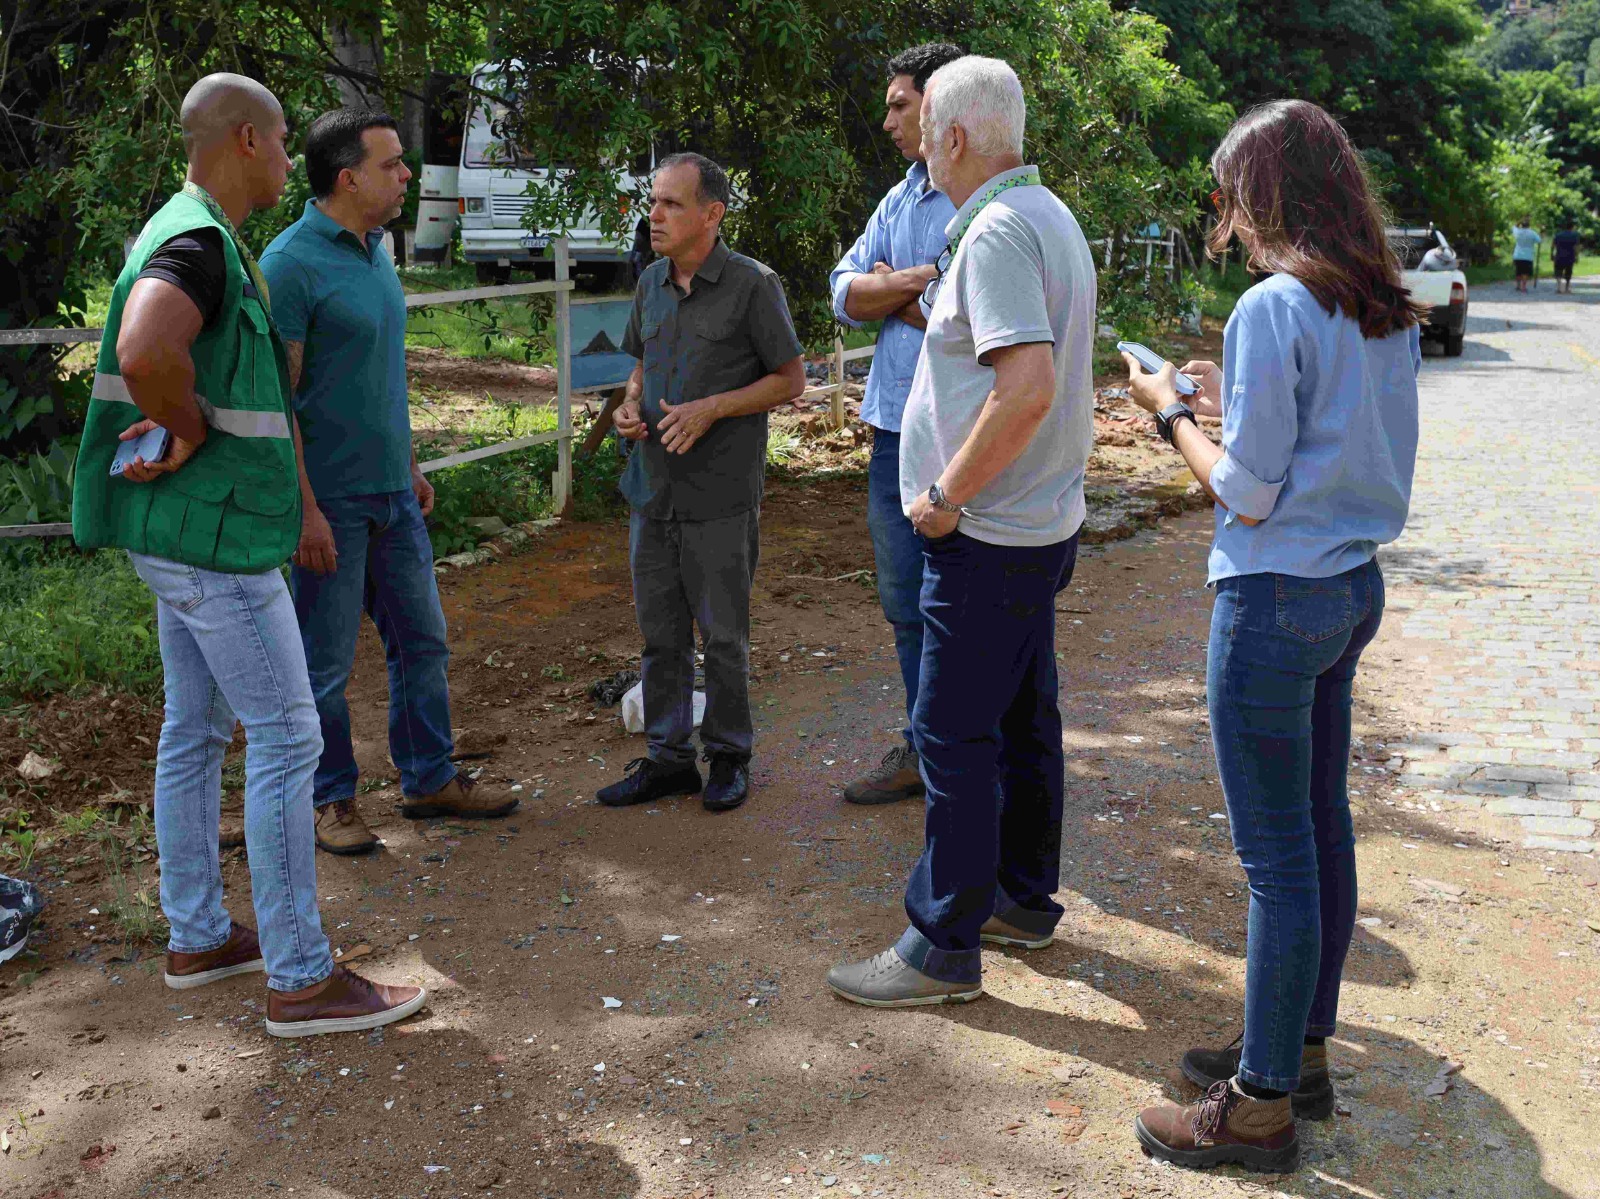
(69, 620)
(514, 486)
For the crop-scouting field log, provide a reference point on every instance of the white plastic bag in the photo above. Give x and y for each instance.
(633, 708)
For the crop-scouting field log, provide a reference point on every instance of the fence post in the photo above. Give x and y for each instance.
(561, 481)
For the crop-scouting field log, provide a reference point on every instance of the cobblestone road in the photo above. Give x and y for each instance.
(1495, 587)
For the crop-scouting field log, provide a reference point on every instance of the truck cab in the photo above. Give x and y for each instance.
(1432, 273)
(494, 182)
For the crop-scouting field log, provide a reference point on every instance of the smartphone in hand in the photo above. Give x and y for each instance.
(151, 446)
(1153, 362)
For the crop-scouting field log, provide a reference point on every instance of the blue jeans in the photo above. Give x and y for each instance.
(229, 651)
(897, 554)
(385, 570)
(989, 734)
(1280, 667)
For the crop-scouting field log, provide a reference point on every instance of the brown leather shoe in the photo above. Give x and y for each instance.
(230, 834)
(342, 1002)
(463, 799)
(1226, 1126)
(239, 954)
(898, 776)
(341, 830)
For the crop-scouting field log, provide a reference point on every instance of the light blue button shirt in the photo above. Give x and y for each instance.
(1319, 436)
(906, 229)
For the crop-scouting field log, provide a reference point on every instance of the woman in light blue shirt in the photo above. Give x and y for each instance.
(1318, 399)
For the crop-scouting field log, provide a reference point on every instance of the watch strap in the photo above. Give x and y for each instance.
(1168, 418)
(937, 498)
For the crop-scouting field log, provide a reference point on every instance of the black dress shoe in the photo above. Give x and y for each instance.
(729, 785)
(649, 781)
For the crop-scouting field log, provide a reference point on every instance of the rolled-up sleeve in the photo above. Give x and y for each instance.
(871, 247)
(1260, 423)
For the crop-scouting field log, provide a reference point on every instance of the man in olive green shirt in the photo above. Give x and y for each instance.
(717, 350)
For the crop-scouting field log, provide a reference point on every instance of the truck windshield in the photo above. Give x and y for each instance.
(485, 144)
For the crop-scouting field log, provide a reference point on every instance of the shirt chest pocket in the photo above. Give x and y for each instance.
(650, 336)
(714, 330)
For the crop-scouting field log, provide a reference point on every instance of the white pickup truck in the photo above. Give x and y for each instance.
(1435, 279)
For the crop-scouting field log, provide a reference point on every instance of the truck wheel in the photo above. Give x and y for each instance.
(492, 274)
(1453, 343)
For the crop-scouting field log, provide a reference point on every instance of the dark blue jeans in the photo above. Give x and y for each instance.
(386, 570)
(1281, 664)
(989, 734)
(897, 554)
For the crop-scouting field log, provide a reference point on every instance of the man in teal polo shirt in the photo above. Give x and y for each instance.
(364, 543)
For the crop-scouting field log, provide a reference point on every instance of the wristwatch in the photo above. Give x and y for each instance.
(936, 497)
(1168, 418)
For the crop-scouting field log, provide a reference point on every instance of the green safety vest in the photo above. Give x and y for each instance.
(235, 505)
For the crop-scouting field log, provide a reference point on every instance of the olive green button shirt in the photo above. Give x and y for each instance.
(731, 329)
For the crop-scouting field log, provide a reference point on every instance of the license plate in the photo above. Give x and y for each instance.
(532, 241)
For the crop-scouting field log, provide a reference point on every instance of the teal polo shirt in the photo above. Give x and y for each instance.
(338, 295)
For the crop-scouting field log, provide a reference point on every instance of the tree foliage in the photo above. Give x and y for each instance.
(788, 95)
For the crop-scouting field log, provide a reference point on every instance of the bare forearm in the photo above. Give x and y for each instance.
(1004, 428)
(1202, 455)
(875, 296)
(308, 497)
(766, 393)
(911, 314)
(633, 390)
(161, 383)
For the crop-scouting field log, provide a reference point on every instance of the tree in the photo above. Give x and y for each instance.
(1396, 72)
(788, 95)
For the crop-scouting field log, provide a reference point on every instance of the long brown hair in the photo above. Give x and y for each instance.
(1296, 193)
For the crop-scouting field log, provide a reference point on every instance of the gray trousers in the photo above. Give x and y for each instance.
(688, 573)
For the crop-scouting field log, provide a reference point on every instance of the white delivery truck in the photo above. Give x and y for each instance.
(494, 182)
(1432, 273)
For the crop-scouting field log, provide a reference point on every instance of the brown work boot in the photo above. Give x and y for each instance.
(342, 1002)
(1226, 1126)
(1313, 1099)
(463, 799)
(239, 954)
(898, 776)
(341, 830)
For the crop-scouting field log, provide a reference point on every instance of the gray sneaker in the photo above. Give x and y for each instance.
(998, 932)
(887, 981)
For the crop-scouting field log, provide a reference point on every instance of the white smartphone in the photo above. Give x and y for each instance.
(1153, 362)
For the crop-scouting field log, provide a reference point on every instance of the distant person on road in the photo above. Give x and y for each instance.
(996, 437)
(1564, 256)
(190, 343)
(1525, 241)
(1318, 402)
(717, 351)
(364, 542)
(882, 277)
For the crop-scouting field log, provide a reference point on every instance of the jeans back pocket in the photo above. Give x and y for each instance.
(1315, 609)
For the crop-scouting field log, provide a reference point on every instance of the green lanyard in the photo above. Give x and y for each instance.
(199, 193)
(1028, 178)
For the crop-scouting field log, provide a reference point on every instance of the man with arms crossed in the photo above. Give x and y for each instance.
(883, 278)
(717, 350)
(997, 434)
(363, 544)
(189, 343)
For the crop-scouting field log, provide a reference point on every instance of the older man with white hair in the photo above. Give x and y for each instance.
(995, 440)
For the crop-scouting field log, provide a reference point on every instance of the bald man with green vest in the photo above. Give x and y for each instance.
(189, 346)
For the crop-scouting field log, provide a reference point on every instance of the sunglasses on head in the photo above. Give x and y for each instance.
(1216, 199)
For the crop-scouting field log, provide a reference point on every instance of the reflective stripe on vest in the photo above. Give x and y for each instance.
(237, 421)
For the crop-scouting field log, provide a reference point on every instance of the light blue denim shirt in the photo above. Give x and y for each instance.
(1319, 436)
(906, 229)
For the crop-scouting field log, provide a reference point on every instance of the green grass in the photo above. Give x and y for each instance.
(1501, 272)
(70, 619)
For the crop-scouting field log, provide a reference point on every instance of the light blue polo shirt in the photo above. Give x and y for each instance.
(339, 296)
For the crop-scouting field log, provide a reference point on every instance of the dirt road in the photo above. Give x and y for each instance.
(725, 1068)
